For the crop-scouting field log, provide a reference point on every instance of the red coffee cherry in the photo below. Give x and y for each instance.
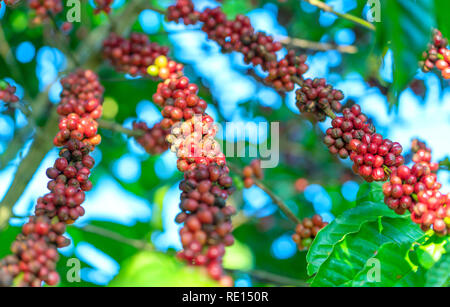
(7, 92)
(437, 55)
(103, 5)
(307, 230)
(136, 54)
(153, 140)
(43, 8)
(251, 172)
(183, 9)
(315, 96)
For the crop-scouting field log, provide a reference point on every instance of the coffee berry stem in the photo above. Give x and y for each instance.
(318, 46)
(329, 112)
(276, 200)
(325, 7)
(387, 170)
(116, 127)
(297, 80)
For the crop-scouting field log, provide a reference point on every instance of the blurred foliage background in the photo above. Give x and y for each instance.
(128, 236)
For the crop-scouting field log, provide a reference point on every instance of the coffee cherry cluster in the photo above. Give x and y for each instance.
(179, 100)
(206, 185)
(258, 48)
(35, 249)
(352, 135)
(412, 189)
(69, 180)
(44, 8)
(417, 145)
(82, 94)
(373, 154)
(183, 9)
(35, 253)
(416, 189)
(316, 96)
(165, 68)
(194, 143)
(252, 171)
(284, 74)
(103, 5)
(154, 139)
(132, 55)
(239, 35)
(8, 92)
(345, 132)
(307, 230)
(432, 211)
(78, 128)
(207, 220)
(437, 55)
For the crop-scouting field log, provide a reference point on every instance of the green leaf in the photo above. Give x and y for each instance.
(439, 274)
(235, 7)
(351, 255)
(349, 222)
(370, 192)
(405, 28)
(429, 254)
(394, 269)
(442, 8)
(158, 269)
(7, 236)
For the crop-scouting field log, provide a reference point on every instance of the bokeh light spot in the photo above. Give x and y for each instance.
(25, 52)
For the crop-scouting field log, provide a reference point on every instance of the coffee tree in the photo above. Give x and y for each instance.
(343, 205)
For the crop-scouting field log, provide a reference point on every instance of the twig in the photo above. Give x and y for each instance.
(252, 73)
(325, 7)
(138, 244)
(16, 145)
(161, 11)
(121, 79)
(271, 278)
(277, 201)
(20, 105)
(6, 53)
(283, 207)
(40, 147)
(305, 44)
(113, 126)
